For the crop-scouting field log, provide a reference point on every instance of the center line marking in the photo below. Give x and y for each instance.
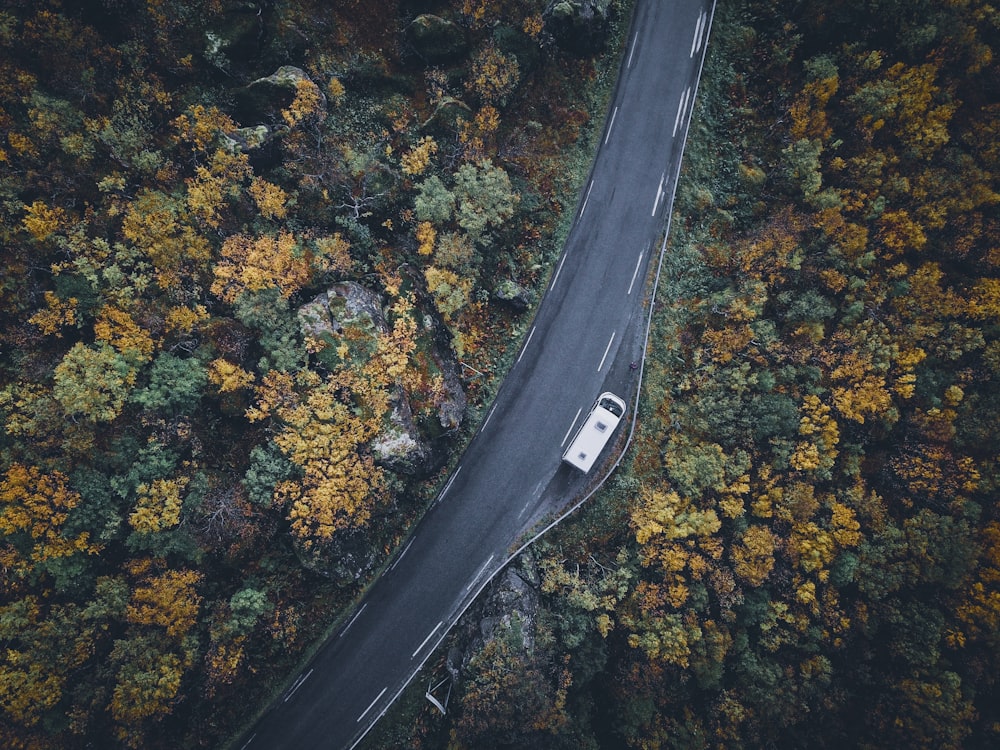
(584, 207)
(474, 581)
(429, 636)
(634, 40)
(528, 341)
(659, 193)
(372, 704)
(572, 425)
(356, 616)
(695, 46)
(681, 108)
(635, 273)
(525, 508)
(611, 125)
(606, 350)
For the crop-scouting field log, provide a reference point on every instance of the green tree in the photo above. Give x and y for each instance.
(246, 607)
(802, 166)
(268, 313)
(175, 384)
(484, 196)
(434, 202)
(268, 468)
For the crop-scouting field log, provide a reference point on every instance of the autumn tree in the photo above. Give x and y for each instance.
(168, 600)
(528, 697)
(494, 76)
(280, 262)
(34, 510)
(325, 438)
(163, 229)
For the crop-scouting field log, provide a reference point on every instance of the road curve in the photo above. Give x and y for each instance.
(588, 327)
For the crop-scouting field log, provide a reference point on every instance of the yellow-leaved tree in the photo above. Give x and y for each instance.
(169, 600)
(325, 435)
(282, 261)
(158, 506)
(34, 507)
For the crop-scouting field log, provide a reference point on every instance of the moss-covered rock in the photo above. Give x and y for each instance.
(435, 39)
(346, 314)
(236, 36)
(579, 26)
(400, 447)
(249, 139)
(264, 100)
(512, 294)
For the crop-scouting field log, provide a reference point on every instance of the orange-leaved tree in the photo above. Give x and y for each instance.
(282, 261)
(34, 508)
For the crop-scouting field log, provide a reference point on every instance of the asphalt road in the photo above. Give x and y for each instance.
(590, 325)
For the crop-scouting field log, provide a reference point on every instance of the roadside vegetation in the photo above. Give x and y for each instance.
(804, 547)
(261, 262)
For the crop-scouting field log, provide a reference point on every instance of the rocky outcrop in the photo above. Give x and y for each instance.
(349, 315)
(236, 37)
(263, 100)
(347, 558)
(511, 604)
(345, 307)
(512, 294)
(248, 139)
(579, 26)
(435, 39)
(400, 447)
(514, 599)
(451, 408)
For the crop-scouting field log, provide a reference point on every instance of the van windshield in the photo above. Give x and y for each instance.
(611, 406)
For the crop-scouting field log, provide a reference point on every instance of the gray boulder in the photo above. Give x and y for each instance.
(264, 99)
(345, 311)
(400, 447)
(435, 39)
(579, 26)
(513, 294)
(249, 139)
(349, 313)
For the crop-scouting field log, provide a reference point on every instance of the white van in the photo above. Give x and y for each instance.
(591, 438)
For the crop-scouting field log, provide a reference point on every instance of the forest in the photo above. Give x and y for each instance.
(264, 264)
(803, 548)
